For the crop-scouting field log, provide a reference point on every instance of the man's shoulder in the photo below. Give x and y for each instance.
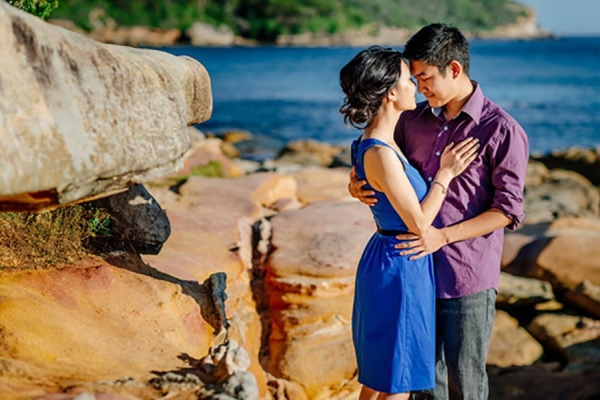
(496, 116)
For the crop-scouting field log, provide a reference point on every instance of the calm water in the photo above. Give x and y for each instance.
(552, 87)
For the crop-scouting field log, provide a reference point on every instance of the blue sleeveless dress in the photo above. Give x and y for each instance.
(393, 319)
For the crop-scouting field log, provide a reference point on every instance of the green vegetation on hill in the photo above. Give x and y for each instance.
(40, 8)
(267, 19)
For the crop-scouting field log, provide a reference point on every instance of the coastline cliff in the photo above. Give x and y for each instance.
(504, 20)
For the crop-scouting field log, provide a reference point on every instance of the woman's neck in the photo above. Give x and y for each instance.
(382, 127)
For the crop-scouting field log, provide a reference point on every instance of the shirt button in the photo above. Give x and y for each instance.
(445, 128)
(437, 153)
(430, 179)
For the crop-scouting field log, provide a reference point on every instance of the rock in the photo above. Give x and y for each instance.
(203, 34)
(308, 153)
(242, 386)
(516, 291)
(136, 219)
(575, 273)
(274, 188)
(319, 184)
(211, 222)
(236, 136)
(343, 159)
(574, 338)
(365, 36)
(511, 344)
(225, 360)
(536, 382)
(521, 248)
(308, 288)
(97, 321)
(205, 158)
(83, 119)
(526, 27)
(560, 194)
(281, 389)
(136, 36)
(583, 161)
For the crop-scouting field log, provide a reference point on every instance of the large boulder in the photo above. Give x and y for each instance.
(80, 119)
(308, 288)
(96, 323)
(212, 231)
(583, 161)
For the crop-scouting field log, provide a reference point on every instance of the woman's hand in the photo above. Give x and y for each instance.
(456, 158)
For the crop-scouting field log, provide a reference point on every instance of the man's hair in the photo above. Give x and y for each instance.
(438, 44)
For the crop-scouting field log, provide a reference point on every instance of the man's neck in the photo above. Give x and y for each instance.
(454, 106)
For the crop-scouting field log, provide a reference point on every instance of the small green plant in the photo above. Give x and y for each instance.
(99, 224)
(40, 8)
(213, 169)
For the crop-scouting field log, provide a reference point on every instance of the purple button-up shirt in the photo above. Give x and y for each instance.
(494, 180)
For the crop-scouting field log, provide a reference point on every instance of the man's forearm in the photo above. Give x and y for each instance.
(482, 224)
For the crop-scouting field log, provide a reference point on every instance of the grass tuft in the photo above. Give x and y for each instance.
(49, 239)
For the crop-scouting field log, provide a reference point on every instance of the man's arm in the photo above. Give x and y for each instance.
(355, 189)
(433, 239)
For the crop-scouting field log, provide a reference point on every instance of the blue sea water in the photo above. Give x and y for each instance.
(552, 87)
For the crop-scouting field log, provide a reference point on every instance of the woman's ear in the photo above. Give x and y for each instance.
(391, 96)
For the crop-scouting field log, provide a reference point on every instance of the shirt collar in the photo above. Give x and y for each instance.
(473, 107)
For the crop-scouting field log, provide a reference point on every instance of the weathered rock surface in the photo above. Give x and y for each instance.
(218, 238)
(526, 27)
(76, 122)
(308, 284)
(574, 273)
(583, 161)
(136, 219)
(308, 153)
(516, 291)
(537, 382)
(319, 184)
(564, 253)
(511, 344)
(551, 194)
(95, 324)
(203, 34)
(574, 338)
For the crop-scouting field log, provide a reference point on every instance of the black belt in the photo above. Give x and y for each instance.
(390, 232)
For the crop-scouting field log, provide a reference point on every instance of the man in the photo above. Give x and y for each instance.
(468, 235)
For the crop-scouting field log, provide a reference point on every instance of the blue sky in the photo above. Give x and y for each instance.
(568, 17)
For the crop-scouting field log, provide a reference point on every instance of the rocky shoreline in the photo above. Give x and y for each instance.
(203, 34)
(226, 278)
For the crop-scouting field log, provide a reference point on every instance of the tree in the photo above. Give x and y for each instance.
(40, 8)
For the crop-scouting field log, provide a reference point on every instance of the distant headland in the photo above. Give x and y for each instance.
(333, 24)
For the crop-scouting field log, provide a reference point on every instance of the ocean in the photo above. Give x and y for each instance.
(279, 94)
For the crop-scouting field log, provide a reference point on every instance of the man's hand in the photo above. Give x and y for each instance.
(356, 191)
(419, 246)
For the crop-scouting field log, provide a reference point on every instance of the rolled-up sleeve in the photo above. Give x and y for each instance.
(508, 172)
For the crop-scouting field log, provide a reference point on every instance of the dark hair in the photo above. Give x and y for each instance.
(365, 81)
(438, 44)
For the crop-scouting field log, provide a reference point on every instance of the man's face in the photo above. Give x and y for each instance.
(437, 88)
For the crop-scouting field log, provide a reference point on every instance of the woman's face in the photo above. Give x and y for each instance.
(405, 89)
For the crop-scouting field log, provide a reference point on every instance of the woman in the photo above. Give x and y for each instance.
(393, 321)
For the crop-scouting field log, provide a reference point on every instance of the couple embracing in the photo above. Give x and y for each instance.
(443, 179)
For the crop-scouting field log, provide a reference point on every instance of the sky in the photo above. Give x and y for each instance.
(568, 17)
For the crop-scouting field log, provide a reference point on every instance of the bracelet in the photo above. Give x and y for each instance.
(444, 189)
